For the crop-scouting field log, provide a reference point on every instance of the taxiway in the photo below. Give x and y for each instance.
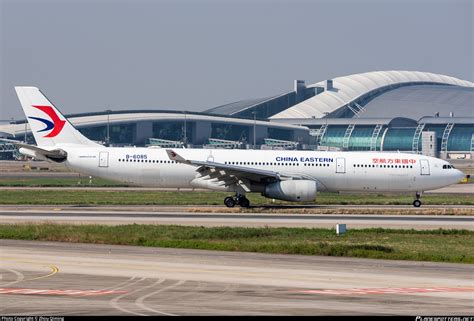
(210, 217)
(46, 278)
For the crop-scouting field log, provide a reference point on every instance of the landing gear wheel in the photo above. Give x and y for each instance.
(417, 202)
(229, 201)
(244, 202)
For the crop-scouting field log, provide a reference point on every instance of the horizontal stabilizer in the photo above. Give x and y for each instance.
(56, 155)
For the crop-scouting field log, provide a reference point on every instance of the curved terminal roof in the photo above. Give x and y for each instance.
(422, 100)
(348, 89)
(120, 117)
(235, 107)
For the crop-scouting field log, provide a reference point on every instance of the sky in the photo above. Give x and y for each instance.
(193, 55)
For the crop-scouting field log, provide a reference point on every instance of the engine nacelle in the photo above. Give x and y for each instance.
(292, 190)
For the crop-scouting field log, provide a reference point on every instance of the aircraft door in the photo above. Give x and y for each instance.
(425, 167)
(103, 159)
(340, 165)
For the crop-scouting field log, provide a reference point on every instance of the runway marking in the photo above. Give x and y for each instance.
(141, 300)
(54, 270)
(19, 277)
(387, 290)
(58, 292)
(115, 302)
(120, 285)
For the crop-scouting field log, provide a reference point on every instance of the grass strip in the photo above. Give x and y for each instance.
(456, 246)
(94, 197)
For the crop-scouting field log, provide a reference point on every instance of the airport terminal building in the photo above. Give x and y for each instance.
(402, 111)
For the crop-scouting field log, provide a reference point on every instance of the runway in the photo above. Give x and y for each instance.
(9, 215)
(46, 278)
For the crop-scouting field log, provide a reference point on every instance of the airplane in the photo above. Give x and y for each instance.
(287, 175)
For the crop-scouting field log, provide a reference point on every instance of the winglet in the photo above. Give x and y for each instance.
(175, 157)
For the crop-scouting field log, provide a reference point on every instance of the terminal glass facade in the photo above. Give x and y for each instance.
(122, 134)
(172, 130)
(230, 132)
(399, 138)
(460, 138)
(361, 138)
(334, 136)
(278, 133)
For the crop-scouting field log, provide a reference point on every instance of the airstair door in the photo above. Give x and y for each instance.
(425, 167)
(340, 165)
(103, 159)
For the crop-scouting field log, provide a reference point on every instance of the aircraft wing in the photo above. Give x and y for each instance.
(229, 174)
(57, 155)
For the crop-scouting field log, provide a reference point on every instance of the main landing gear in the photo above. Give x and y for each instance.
(417, 202)
(239, 199)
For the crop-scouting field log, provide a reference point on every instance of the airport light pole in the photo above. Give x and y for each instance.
(107, 139)
(254, 129)
(185, 133)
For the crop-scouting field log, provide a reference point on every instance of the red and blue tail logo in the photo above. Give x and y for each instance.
(56, 125)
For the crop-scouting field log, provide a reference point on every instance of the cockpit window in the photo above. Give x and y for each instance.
(448, 166)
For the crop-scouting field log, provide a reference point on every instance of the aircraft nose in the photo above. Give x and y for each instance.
(458, 175)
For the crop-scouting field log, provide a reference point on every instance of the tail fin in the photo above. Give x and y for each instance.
(48, 125)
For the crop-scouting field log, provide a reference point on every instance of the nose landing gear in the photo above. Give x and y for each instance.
(239, 199)
(417, 202)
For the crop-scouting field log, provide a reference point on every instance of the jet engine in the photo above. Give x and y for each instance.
(292, 190)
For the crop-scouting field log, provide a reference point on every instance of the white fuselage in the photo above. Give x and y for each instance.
(333, 171)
